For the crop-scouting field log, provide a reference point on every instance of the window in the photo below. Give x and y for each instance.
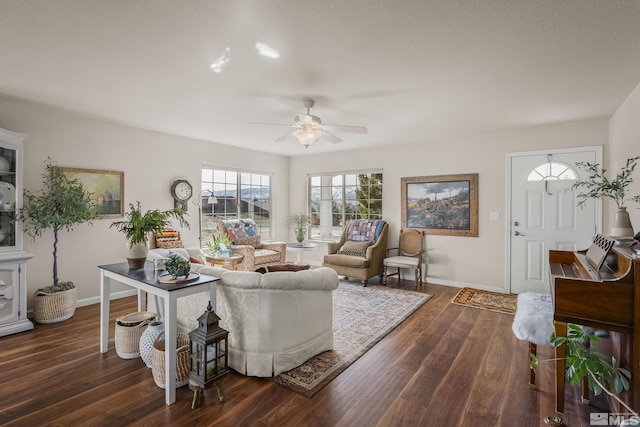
(551, 171)
(335, 199)
(229, 194)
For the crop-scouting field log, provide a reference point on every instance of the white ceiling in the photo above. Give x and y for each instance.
(412, 71)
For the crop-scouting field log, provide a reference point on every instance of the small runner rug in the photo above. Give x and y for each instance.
(361, 318)
(493, 301)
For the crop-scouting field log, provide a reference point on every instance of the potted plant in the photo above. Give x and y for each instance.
(583, 361)
(598, 186)
(59, 205)
(300, 222)
(220, 246)
(137, 227)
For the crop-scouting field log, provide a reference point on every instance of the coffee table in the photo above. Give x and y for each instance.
(300, 248)
(146, 281)
(230, 263)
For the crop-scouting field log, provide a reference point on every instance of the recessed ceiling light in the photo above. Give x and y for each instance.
(266, 50)
(222, 60)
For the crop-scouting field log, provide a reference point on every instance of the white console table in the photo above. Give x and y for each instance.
(146, 281)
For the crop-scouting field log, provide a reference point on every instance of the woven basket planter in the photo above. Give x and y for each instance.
(128, 339)
(54, 307)
(182, 361)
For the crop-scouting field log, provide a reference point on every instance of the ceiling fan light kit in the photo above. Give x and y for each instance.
(307, 137)
(309, 128)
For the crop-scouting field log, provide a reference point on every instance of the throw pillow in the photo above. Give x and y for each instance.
(286, 267)
(195, 260)
(354, 248)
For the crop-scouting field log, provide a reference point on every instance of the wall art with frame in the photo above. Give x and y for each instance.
(106, 188)
(441, 204)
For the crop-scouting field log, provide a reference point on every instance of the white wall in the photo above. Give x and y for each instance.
(459, 261)
(151, 161)
(624, 140)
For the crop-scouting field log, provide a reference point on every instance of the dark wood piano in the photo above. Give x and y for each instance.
(606, 298)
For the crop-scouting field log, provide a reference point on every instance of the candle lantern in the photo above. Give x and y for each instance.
(209, 351)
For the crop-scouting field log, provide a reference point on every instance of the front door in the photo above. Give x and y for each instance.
(544, 214)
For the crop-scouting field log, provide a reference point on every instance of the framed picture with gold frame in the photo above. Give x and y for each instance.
(106, 188)
(441, 204)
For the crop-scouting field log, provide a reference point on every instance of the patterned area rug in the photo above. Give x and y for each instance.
(361, 318)
(494, 301)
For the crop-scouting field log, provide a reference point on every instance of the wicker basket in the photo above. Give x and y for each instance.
(128, 338)
(182, 361)
(54, 307)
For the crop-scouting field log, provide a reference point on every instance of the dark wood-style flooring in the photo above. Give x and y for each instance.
(446, 365)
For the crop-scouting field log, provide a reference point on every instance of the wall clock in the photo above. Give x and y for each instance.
(181, 191)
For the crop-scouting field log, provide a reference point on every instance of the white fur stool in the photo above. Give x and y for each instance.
(533, 322)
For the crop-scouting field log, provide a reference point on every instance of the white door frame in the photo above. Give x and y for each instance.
(598, 149)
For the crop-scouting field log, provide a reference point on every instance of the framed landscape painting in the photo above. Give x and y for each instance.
(106, 188)
(441, 204)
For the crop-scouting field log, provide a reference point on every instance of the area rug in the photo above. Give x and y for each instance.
(361, 318)
(493, 301)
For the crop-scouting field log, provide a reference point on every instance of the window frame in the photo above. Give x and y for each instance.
(209, 187)
(336, 230)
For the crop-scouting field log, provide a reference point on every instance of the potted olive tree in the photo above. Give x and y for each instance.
(59, 205)
(598, 186)
(138, 226)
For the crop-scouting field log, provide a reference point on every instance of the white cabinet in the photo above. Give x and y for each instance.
(13, 260)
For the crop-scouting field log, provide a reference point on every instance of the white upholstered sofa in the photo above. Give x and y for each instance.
(276, 321)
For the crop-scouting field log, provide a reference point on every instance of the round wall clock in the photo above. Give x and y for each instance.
(181, 190)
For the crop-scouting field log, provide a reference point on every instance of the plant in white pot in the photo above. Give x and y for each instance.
(597, 186)
(59, 205)
(220, 247)
(138, 226)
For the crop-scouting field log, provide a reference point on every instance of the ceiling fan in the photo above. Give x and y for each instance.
(308, 128)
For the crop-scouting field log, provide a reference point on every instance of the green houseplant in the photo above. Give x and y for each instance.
(599, 186)
(59, 205)
(583, 361)
(137, 226)
(220, 243)
(300, 222)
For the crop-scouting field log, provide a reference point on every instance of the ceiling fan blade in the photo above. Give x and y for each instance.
(271, 124)
(345, 128)
(330, 137)
(285, 137)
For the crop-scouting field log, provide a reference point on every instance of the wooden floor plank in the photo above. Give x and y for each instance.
(445, 365)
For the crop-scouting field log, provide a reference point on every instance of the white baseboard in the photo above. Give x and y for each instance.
(463, 285)
(115, 295)
(96, 300)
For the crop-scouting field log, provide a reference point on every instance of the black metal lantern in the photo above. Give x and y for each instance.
(209, 350)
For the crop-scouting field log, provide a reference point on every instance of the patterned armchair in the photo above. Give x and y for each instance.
(360, 250)
(243, 233)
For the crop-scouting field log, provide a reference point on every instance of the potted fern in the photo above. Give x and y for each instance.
(58, 206)
(137, 227)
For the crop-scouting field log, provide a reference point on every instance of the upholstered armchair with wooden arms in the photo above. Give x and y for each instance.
(245, 240)
(360, 250)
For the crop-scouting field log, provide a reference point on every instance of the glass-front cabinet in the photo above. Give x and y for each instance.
(13, 259)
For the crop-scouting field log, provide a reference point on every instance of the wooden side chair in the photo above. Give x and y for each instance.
(409, 254)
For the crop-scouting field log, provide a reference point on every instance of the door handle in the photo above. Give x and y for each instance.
(517, 233)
